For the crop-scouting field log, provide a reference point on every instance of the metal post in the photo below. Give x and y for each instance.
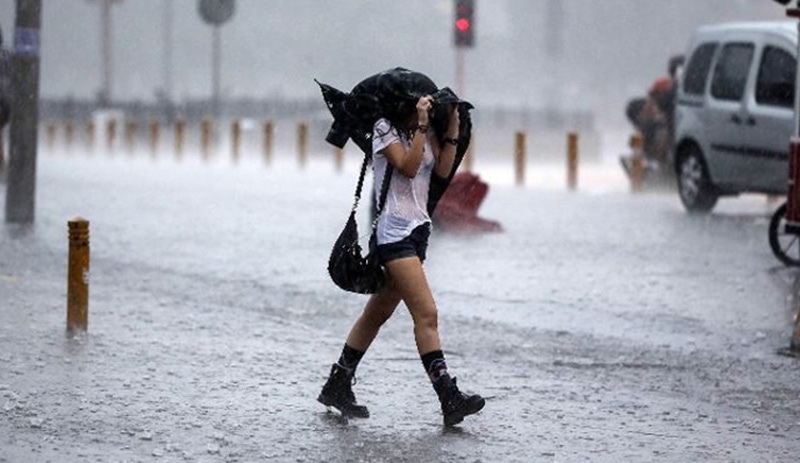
(302, 143)
(466, 163)
(460, 78)
(154, 136)
(338, 157)
(78, 275)
(572, 161)
(130, 135)
(519, 157)
(21, 190)
(168, 26)
(216, 59)
(50, 129)
(205, 138)
(180, 130)
(637, 162)
(111, 134)
(69, 133)
(90, 133)
(2, 155)
(105, 40)
(269, 128)
(236, 139)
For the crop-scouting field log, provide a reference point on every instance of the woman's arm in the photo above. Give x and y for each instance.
(407, 162)
(445, 153)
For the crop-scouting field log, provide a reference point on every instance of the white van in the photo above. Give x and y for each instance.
(734, 112)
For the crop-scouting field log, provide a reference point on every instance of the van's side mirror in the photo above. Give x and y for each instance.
(783, 2)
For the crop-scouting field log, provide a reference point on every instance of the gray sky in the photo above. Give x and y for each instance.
(612, 49)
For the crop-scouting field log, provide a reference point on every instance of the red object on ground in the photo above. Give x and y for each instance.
(458, 209)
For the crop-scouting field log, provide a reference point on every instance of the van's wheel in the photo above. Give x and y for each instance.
(785, 246)
(694, 184)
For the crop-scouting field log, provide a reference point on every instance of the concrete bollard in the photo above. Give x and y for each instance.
(111, 134)
(302, 143)
(155, 130)
(637, 162)
(269, 129)
(236, 139)
(69, 132)
(520, 154)
(78, 275)
(205, 138)
(130, 135)
(180, 133)
(51, 135)
(572, 160)
(90, 134)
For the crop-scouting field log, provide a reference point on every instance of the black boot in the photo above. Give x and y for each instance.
(338, 393)
(455, 404)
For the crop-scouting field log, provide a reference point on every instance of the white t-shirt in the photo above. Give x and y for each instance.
(406, 205)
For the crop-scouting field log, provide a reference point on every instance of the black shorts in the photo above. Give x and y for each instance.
(415, 244)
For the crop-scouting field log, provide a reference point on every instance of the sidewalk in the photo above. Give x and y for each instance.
(212, 329)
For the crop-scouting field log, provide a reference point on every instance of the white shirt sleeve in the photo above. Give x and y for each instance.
(383, 135)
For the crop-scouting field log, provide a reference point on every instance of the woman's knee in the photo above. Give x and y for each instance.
(426, 318)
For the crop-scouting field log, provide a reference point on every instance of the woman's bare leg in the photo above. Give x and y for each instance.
(412, 287)
(378, 310)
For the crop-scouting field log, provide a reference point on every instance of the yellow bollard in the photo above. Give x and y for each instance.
(302, 143)
(205, 138)
(130, 135)
(519, 157)
(180, 132)
(78, 275)
(236, 139)
(69, 130)
(51, 136)
(269, 129)
(90, 133)
(155, 130)
(572, 160)
(111, 133)
(637, 162)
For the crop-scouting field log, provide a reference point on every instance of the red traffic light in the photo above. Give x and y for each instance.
(464, 24)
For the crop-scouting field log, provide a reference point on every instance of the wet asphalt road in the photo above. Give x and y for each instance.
(601, 326)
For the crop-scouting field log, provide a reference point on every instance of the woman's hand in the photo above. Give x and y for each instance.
(424, 105)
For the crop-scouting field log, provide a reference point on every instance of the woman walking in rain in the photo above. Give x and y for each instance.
(404, 138)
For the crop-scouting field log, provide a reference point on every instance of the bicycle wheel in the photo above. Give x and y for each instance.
(785, 246)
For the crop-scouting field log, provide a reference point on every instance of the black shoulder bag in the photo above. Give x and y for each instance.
(346, 266)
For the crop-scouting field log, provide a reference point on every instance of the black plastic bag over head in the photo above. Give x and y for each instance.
(388, 93)
(381, 95)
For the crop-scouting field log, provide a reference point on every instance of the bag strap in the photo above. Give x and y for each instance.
(387, 178)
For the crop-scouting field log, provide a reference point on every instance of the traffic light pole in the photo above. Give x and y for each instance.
(21, 189)
(460, 72)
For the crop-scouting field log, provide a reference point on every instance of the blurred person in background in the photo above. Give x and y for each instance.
(653, 116)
